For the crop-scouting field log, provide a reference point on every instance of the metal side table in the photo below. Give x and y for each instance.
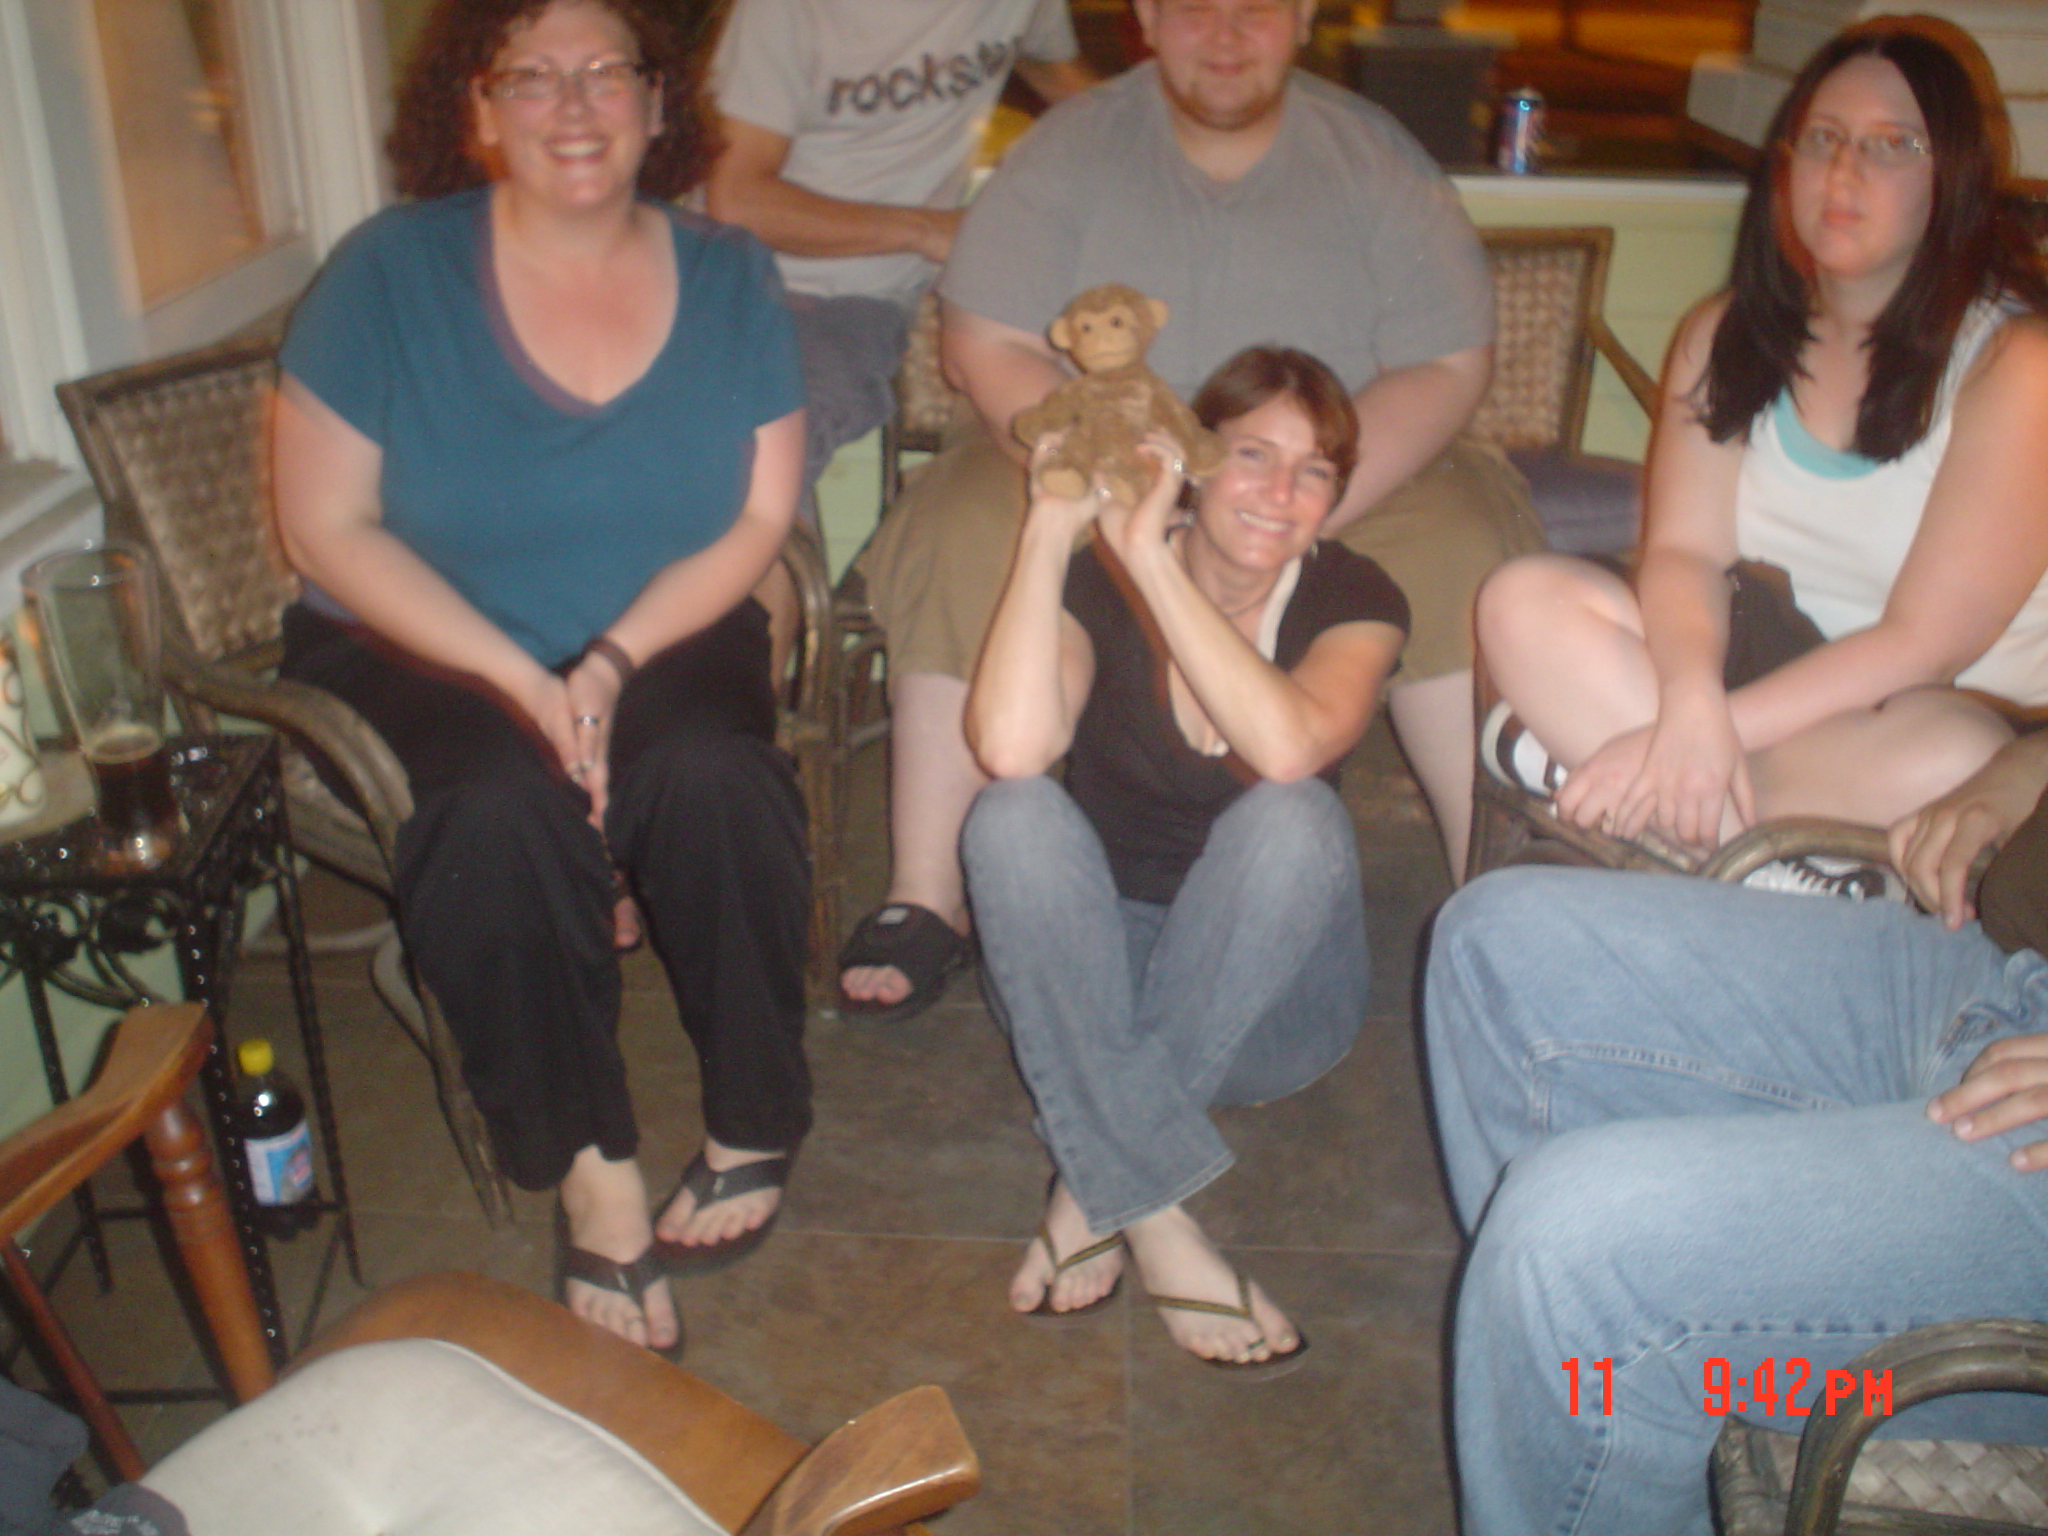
(66, 922)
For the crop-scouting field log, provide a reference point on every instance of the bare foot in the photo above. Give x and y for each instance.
(721, 1220)
(1175, 1258)
(1036, 1279)
(626, 930)
(606, 1204)
(875, 983)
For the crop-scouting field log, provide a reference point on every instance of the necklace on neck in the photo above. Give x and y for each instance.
(1181, 547)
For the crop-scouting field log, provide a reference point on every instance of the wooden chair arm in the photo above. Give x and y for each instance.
(725, 1456)
(898, 1462)
(1993, 1355)
(312, 715)
(1633, 374)
(1786, 837)
(155, 1053)
(816, 680)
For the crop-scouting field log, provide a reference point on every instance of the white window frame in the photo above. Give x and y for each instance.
(69, 299)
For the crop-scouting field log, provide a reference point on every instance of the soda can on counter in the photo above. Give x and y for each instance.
(1518, 132)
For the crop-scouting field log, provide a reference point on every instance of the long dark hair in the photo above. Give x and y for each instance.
(1259, 374)
(432, 145)
(1977, 244)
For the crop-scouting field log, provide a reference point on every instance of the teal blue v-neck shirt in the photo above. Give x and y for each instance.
(547, 513)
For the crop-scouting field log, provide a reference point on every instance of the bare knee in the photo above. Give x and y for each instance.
(1519, 605)
(1941, 737)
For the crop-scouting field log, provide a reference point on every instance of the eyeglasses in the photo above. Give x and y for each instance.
(599, 80)
(1891, 149)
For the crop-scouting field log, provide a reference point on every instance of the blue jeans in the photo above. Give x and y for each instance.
(1686, 1122)
(1130, 1019)
(850, 347)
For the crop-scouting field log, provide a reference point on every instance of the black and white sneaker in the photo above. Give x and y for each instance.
(1813, 874)
(1515, 757)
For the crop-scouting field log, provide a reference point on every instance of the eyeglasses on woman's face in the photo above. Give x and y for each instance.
(1886, 149)
(601, 80)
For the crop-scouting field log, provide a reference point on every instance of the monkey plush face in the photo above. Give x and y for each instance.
(1108, 328)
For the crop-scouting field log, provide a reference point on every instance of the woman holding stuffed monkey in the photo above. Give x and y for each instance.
(1180, 925)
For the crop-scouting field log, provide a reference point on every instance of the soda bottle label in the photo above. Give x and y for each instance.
(281, 1167)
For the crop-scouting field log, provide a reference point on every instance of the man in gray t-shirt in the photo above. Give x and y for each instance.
(1261, 206)
(849, 126)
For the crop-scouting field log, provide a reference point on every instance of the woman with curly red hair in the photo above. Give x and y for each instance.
(538, 436)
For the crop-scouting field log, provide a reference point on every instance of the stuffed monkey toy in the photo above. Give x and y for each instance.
(1105, 412)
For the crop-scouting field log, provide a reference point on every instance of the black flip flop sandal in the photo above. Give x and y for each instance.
(632, 1279)
(709, 1188)
(916, 941)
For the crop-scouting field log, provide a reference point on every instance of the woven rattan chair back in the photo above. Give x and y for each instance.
(1837, 1477)
(1547, 284)
(176, 449)
(925, 402)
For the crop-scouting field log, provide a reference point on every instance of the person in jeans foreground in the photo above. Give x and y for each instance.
(1181, 925)
(1688, 1122)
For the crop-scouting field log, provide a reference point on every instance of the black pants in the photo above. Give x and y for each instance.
(505, 889)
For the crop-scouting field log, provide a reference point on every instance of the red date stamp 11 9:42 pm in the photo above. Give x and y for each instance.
(1775, 1386)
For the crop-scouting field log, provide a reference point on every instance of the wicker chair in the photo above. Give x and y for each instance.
(1816, 1483)
(176, 449)
(1549, 288)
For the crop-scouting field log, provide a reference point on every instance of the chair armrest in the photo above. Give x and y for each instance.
(816, 681)
(723, 1455)
(1785, 837)
(155, 1053)
(898, 1462)
(313, 716)
(1633, 374)
(1994, 1355)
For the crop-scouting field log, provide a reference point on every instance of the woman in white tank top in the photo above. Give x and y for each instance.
(1865, 408)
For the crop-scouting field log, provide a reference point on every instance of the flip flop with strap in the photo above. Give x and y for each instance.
(1045, 1314)
(632, 1279)
(708, 1187)
(1276, 1364)
(916, 941)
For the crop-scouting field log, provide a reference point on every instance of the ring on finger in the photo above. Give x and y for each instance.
(590, 719)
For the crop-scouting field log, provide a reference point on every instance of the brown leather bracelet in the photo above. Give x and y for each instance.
(615, 653)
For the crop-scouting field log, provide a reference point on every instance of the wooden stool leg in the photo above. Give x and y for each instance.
(92, 1402)
(206, 1236)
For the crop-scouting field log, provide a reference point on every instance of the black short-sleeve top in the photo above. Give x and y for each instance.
(1150, 795)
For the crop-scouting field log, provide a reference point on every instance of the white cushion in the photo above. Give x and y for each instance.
(416, 1438)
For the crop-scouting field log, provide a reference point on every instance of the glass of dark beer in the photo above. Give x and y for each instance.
(96, 610)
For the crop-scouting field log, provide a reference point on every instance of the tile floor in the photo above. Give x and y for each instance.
(915, 1194)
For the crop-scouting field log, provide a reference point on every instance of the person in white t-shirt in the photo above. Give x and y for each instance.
(849, 128)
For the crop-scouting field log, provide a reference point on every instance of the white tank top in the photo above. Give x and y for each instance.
(1840, 524)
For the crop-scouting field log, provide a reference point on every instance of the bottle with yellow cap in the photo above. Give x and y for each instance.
(270, 1117)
